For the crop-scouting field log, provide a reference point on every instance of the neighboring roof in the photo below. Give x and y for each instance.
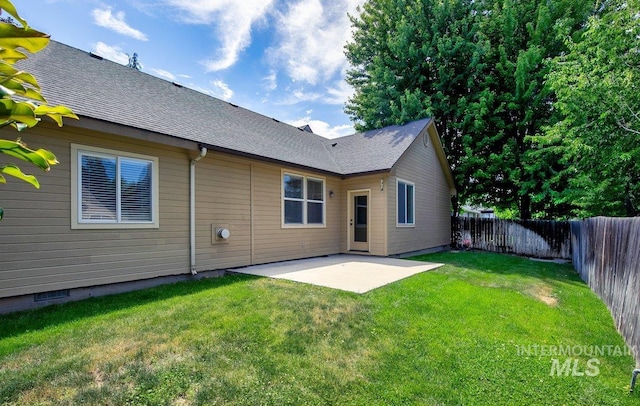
(104, 90)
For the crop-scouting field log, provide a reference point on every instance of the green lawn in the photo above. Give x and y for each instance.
(457, 335)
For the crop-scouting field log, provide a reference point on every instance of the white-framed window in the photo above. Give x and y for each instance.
(113, 189)
(406, 203)
(303, 200)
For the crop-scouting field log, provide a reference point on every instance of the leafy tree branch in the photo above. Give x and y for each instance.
(21, 103)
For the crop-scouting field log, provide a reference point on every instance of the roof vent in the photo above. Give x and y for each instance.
(306, 128)
(276, 120)
(234, 105)
(133, 62)
(334, 144)
(177, 84)
(98, 57)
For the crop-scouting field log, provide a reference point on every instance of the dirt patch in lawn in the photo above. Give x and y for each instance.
(544, 293)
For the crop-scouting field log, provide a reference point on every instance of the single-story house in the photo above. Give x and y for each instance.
(157, 180)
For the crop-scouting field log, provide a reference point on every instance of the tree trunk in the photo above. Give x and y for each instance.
(525, 207)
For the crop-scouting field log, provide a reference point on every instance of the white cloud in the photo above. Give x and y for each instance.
(339, 94)
(292, 97)
(163, 74)
(232, 19)
(312, 34)
(104, 18)
(113, 53)
(323, 128)
(222, 90)
(270, 82)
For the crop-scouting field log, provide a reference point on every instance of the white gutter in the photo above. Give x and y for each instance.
(192, 209)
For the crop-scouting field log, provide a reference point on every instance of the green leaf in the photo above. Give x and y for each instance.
(7, 6)
(21, 83)
(6, 92)
(12, 38)
(22, 112)
(25, 77)
(7, 69)
(48, 156)
(42, 158)
(55, 112)
(15, 171)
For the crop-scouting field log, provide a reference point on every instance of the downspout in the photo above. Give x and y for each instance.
(192, 209)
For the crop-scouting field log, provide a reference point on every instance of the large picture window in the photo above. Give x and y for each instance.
(115, 189)
(406, 203)
(303, 200)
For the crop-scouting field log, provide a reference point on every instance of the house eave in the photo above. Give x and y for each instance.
(366, 173)
(90, 123)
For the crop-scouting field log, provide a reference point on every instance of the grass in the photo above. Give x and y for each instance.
(450, 336)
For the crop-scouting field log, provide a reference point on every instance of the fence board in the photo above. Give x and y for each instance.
(606, 254)
(535, 238)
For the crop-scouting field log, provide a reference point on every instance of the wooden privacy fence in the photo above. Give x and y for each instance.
(535, 238)
(606, 254)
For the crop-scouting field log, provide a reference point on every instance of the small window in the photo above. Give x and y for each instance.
(303, 200)
(406, 203)
(114, 189)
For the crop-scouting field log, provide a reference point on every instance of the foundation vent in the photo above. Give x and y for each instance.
(54, 294)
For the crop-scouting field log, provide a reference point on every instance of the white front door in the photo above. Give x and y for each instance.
(358, 214)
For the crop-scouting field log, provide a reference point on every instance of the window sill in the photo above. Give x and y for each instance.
(299, 226)
(113, 226)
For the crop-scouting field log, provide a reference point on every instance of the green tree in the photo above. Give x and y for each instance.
(597, 85)
(413, 59)
(515, 103)
(21, 104)
(477, 67)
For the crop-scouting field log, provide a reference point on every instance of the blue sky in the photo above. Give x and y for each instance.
(283, 59)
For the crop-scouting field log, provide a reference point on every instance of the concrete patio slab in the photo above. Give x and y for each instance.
(353, 273)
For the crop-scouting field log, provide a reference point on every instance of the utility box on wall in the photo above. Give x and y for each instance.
(220, 233)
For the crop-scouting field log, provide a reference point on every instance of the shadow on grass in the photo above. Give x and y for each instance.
(14, 324)
(507, 264)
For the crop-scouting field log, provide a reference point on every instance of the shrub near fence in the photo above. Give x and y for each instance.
(606, 254)
(535, 238)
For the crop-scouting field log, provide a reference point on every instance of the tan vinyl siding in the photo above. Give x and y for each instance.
(223, 199)
(272, 241)
(377, 211)
(420, 166)
(244, 195)
(39, 251)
